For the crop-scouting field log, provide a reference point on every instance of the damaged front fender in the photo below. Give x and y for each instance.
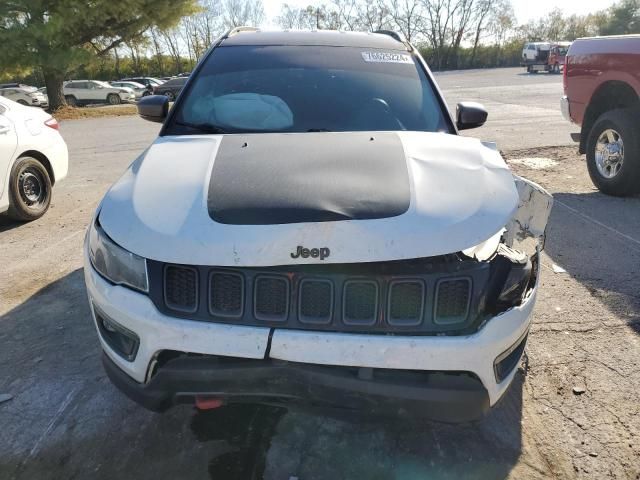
(526, 230)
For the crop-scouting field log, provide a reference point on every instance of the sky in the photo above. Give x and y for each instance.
(525, 9)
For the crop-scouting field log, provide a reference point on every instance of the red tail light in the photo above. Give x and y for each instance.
(52, 123)
(564, 73)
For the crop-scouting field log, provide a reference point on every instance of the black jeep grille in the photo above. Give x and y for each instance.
(452, 301)
(316, 301)
(181, 288)
(406, 302)
(339, 298)
(271, 298)
(226, 292)
(360, 302)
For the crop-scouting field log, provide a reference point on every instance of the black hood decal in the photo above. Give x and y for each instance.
(264, 179)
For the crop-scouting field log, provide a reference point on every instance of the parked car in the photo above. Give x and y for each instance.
(310, 227)
(148, 82)
(43, 91)
(33, 158)
(28, 96)
(84, 92)
(171, 89)
(139, 89)
(602, 95)
(14, 85)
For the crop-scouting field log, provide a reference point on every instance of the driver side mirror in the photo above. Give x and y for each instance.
(153, 108)
(470, 115)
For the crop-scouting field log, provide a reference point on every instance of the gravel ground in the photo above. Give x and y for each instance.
(572, 411)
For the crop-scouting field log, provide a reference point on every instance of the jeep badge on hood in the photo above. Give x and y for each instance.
(313, 252)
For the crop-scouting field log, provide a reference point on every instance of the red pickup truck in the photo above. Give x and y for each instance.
(602, 94)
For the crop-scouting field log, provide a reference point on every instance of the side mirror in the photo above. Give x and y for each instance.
(470, 115)
(153, 108)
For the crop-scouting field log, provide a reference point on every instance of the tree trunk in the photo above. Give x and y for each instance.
(53, 80)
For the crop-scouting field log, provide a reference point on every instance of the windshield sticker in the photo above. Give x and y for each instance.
(386, 57)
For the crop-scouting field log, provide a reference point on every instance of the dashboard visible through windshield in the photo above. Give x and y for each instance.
(246, 89)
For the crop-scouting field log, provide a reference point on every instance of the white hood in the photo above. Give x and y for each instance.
(462, 193)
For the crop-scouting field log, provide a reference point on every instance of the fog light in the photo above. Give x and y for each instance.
(120, 339)
(509, 359)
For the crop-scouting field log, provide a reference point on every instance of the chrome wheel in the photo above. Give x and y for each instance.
(609, 153)
(32, 187)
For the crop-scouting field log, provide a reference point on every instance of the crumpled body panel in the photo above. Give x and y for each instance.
(462, 193)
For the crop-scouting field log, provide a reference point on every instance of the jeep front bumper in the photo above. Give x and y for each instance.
(452, 377)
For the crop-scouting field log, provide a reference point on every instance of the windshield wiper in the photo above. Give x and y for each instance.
(203, 127)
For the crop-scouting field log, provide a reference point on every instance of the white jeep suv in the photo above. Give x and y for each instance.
(310, 227)
(85, 92)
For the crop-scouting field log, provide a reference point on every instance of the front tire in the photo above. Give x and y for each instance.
(29, 190)
(613, 152)
(113, 99)
(71, 100)
(170, 96)
(22, 102)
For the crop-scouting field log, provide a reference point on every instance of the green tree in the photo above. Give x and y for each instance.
(624, 18)
(56, 36)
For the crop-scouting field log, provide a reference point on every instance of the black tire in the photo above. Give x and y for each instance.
(169, 94)
(29, 190)
(146, 93)
(71, 100)
(113, 99)
(626, 181)
(22, 102)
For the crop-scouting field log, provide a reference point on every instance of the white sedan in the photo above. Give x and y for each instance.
(33, 157)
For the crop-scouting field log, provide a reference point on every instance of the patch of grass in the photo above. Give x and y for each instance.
(73, 113)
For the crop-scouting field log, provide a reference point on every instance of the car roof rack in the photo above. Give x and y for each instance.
(396, 36)
(235, 30)
(390, 33)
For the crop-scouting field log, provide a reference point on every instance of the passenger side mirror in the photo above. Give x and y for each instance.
(153, 108)
(470, 115)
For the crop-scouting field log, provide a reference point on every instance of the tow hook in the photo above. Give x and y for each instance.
(208, 403)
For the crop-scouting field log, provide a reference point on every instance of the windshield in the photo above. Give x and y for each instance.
(306, 89)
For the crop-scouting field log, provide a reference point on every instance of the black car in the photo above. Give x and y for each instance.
(171, 89)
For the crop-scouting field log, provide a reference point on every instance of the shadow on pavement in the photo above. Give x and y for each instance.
(596, 238)
(66, 420)
(7, 223)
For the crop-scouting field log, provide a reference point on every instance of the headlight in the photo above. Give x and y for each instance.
(115, 263)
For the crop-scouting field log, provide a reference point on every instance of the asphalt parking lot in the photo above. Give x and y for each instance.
(572, 411)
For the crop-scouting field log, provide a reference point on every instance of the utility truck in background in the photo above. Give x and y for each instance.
(544, 56)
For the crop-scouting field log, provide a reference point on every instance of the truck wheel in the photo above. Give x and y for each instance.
(613, 152)
(29, 190)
